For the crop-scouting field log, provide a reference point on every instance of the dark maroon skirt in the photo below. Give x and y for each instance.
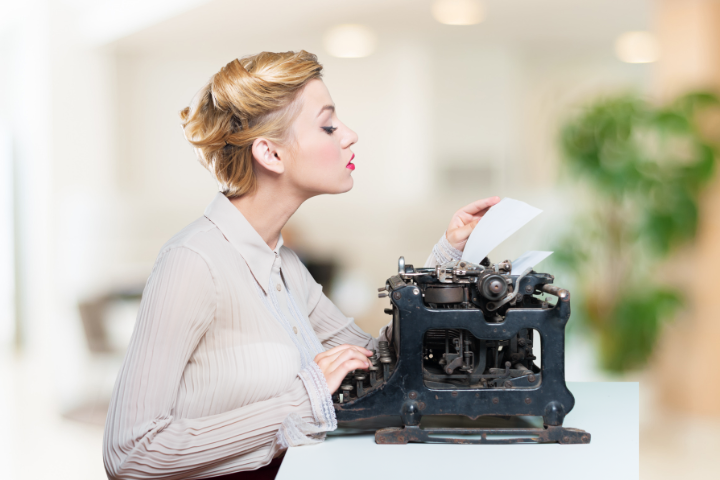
(268, 472)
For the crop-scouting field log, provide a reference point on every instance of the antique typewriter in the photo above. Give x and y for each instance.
(465, 343)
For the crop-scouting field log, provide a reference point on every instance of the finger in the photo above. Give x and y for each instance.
(362, 350)
(349, 355)
(478, 206)
(323, 363)
(462, 219)
(459, 237)
(325, 359)
(471, 212)
(462, 233)
(328, 360)
(346, 367)
(345, 346)
(329, 363)
(331, 352)
(335, 378)
(346, 356)
(338, 348)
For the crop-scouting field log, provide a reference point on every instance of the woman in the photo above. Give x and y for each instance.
(236, 351)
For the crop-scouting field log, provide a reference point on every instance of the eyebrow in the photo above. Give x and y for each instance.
(327, 107)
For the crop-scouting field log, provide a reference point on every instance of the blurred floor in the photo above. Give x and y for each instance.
(38, 442)
(677, 446)
(673, 445)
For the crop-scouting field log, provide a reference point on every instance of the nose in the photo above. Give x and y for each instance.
(350, 138)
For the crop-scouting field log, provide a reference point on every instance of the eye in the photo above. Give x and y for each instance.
(329, 130)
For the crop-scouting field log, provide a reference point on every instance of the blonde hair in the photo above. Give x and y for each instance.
(248, 98)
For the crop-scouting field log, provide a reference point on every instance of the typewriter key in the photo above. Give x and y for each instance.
(346, 389)
(359, 379)
(373, 375)
(386, 366)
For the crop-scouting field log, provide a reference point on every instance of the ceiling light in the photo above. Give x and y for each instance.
(350, 41)
(458, 12)
(637, 47)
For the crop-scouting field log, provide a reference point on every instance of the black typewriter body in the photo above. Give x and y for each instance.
(464, 342)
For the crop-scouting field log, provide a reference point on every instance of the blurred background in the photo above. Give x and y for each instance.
(578, 107)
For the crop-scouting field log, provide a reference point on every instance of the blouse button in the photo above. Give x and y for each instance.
(295, 330)
(278, 287)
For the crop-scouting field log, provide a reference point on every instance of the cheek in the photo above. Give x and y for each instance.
(319, 166)
(328, 154)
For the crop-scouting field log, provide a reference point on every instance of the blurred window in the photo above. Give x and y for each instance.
(7, 263)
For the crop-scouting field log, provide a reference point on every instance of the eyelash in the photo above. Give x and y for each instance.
(329, 130)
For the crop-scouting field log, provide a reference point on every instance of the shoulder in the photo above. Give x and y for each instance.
(292, 262)
(200, 234)
(195, 243)
(294, 267)
(289, 255)
(299, 275)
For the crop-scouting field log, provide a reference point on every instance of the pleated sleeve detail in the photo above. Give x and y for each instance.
(333, 328)
(294, 431)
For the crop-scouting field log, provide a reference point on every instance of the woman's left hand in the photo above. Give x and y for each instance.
(465, 219)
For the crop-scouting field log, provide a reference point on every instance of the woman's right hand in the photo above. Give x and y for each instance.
(338, 361)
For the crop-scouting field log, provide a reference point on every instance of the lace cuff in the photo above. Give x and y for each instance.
(320, 397)
(444, 252)
(294, 431)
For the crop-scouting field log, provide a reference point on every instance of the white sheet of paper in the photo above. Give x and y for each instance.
(501, 221)
(528, 259)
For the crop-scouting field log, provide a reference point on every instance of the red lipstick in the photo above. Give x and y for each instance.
(350, 165)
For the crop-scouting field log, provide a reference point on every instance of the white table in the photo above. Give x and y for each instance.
(609, 411)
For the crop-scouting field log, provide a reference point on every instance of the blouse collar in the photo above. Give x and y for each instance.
(235, 227)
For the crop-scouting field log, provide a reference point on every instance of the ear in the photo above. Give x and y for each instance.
(267, 155)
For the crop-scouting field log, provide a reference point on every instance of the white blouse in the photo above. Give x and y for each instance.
(219, 375)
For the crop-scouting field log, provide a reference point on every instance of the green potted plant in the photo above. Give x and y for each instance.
(645, 166)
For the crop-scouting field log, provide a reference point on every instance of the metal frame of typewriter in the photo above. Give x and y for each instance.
(491, 304)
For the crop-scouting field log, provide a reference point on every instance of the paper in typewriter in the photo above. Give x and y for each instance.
(528, 259)
(501, 221)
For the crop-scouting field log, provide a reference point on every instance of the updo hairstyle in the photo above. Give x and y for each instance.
(248, 98)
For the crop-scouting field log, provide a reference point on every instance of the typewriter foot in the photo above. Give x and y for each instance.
(414, 434)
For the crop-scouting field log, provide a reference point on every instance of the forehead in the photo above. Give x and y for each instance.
(314, 96)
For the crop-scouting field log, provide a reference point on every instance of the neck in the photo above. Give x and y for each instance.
(268, 209)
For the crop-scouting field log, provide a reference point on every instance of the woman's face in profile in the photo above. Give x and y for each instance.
(321, 155)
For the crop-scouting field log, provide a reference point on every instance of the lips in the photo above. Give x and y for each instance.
(350, 164)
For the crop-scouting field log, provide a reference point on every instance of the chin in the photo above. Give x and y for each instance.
(349, 185)
(334, 187)
(344, 186)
